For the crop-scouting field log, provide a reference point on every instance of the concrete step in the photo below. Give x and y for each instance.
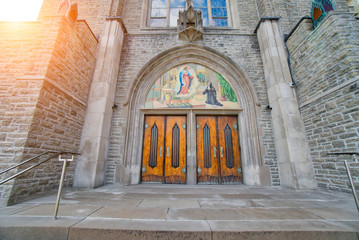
(184, 212)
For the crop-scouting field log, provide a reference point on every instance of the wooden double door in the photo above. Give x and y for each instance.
(218, 151)
(164, 149)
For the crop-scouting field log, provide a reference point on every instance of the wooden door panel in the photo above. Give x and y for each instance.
(230, 162)
(175, 156)
(207, 150)
(153, 149)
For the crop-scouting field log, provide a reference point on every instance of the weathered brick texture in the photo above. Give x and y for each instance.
(43, 101)
(326, 70)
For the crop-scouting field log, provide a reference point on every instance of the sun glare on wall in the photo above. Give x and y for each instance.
(19, 10)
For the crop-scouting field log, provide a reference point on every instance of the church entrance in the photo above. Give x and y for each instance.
(164, 149)
(218, 152)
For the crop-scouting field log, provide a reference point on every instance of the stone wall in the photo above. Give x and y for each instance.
(44, 101)
(326, 70)
(93, 11)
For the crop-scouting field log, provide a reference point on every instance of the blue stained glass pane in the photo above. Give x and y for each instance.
(219, 12)
(158, 22)
(159, 3)
(204, 16)
(220, 22)
(199, 3)
(174, 16)
(158, 12)
(178, 3)
(218, 3)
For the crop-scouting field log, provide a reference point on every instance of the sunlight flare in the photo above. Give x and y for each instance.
(19, 10)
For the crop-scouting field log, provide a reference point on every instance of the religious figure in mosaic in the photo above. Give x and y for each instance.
(185, 79)
(211, 95)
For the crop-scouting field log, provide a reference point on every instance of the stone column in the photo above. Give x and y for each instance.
(295, 166)
(90, 168)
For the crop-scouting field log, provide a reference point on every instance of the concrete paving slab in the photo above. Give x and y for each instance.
(146, 195)
(298, 195)
(165, 204)
(275, 213)
(203, 214)
(276, 225)
(279, 235)
(15, 209)
(139, 229)
(35, 228)
(353, 225)
(302, 203)
(64, 210)
(333, 213)
(195, 196)
(107, 201)
(192, 212)
(131, 213)
(269, 203)
(243, 196)
(228, 204)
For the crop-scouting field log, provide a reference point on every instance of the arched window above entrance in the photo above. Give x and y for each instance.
(191, 86)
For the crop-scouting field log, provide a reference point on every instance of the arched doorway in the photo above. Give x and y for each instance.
(191, 88)
(245, 112)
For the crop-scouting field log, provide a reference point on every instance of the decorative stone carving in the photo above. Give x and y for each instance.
(63, 7)
(190, 24)
(68, 9)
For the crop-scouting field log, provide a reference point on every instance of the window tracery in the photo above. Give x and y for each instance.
(164, 13)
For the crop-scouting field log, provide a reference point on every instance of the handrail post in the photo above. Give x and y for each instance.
(61, 182)
(352, 184)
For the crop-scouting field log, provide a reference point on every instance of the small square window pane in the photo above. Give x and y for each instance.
(218, 3)
(155, 12)
(159, 3)
(219, 12)
(199, 3)
(178, 3)
(220, 22)
(158, 22)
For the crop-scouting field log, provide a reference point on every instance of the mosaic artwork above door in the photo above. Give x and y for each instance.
(191, 86)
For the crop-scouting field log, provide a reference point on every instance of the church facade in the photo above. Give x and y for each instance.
(262, 93)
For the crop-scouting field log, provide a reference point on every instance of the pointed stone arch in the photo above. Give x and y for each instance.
(255, 172)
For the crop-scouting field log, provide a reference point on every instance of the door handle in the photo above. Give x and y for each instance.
(214, 151)
(221, 152)
(161, 151)
(168, 151)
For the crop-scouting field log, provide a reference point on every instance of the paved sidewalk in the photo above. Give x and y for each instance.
(147, 211)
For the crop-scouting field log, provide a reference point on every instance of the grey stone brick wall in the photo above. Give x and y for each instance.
(138, 49)
(43, 112)
(326, 70)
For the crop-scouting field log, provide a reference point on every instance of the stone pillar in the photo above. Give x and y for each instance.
(90, 168)
(295, 166)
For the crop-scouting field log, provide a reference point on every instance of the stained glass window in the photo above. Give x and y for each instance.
(164, 13)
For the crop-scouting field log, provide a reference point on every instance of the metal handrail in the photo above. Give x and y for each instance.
(347, 168)
(26, 161)
(37, 164)
(29, 160)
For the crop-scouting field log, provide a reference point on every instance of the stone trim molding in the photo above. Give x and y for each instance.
(118, 19)
(43, 78)
(344, 84)
(263, 19)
